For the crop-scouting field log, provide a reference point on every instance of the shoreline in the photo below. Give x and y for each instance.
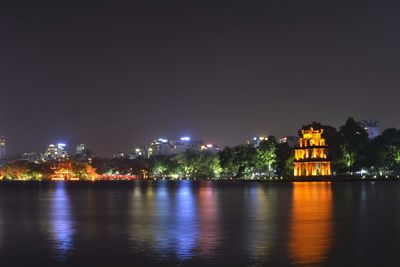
(261, 180)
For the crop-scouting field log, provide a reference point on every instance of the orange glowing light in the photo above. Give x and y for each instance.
(310, 235)
(311, 155)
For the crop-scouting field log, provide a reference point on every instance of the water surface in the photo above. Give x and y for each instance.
(200, 224)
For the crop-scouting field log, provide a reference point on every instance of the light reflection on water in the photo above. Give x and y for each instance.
(260, 234)
(186, 224)
(209, 237)
(310, 233)
(62, 228)
(190, 223)
(165, 222)
(162, 233)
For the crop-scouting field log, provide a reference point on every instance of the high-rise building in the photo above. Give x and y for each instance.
(55, 152)
(167, 147)
(82, 153)
(2, 148)
(184, 144)
(161, 146)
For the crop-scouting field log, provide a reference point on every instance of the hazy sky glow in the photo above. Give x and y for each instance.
(118, 74)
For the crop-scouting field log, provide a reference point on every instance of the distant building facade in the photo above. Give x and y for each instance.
(82, 153)
(256, 141)
(290, 140)
(371, 127)
(184, 144)
(213, 149)
(165, 147)
(33, 157)
(139, 152)
(80, 149)
(2, 149)
(119, 155)
(55, 152)
(160, 147)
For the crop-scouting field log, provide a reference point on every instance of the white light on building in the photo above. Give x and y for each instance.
(2, 148)
(256, 141)
(54, 152)
(371, 127)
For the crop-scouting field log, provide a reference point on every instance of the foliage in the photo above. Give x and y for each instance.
(25, 170)
(267, 156)
(383, 153)
(350, 151)
(354, 140)
(239, 161)
(285, 159)
(194, 164)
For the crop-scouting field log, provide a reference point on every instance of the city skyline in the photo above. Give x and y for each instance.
(372, 128)
(113, 75)
(199, 133)
(71, 147)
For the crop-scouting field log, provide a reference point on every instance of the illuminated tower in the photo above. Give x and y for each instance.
(2, 148)
(311, 155)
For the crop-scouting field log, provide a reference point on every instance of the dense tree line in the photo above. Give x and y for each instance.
(25, 170)
(238, 162)
(353, 153)
(350, 149)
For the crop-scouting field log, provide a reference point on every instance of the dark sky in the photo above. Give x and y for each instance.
(119, 74)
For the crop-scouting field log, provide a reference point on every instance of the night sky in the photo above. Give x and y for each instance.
(119, 74)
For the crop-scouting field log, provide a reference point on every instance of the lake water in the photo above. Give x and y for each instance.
(200, 224)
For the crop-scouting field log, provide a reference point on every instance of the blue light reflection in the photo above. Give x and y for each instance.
(186, 221)
(61, 222)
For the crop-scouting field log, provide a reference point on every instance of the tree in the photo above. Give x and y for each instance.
(285, 159)
(238, 161)
(383, 153)
(25, 170)
(159, 167)
(267, 155)
(354, 141)
(200, 165)
(349, 156)
(209, 166)
(83, 170)
(227, 161)
(245, 160)
(187, 163)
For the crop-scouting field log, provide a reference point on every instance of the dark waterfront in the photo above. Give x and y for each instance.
(190, 223)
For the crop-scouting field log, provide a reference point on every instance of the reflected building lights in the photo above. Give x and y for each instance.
(150, 227)
(141, 227)
(164, 225)
(186, 224)
(62, 225)
(311, 228)
(208, 220)
(162, 234)
(260, 233)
